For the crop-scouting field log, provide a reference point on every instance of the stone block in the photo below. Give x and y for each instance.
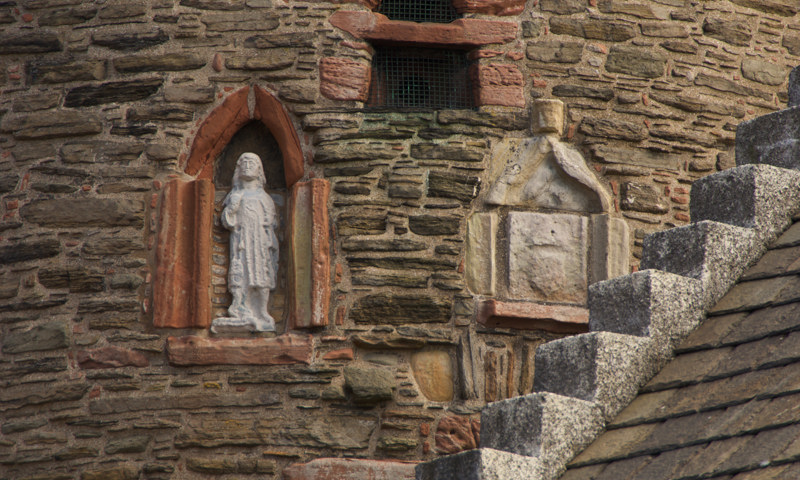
(110, 357)
(369, 385)
(761, 197)
(344, 79)
(773, 139)
(547, 257)
(490, 7)
(794, 87)
(480, 464)
(552, 428)
(548, 117)
(43, 125)
(282, 350)
(350, 469)
(433, 372)
(457, 433)
(610, 248)
(646, 303)
(480, 256)
(85, 212)
(498, 84)
(532, 316)
(50, 336)
(600, 367)
(388, 308)
(714, 253)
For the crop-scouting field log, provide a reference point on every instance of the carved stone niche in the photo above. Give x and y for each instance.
(546, 235)
(191, 252)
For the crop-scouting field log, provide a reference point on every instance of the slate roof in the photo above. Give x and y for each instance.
(727, 407)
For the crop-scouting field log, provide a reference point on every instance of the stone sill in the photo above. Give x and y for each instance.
(533, 316)
(285, 349)
(462, 33)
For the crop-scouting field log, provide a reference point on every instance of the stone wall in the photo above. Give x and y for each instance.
(102, 102)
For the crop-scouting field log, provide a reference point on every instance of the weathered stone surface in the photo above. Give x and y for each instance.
(724, 85)
(189, 94)
(171, 62)
(111, 357)
(23, 251)
(130, 40)
(595, 29)
(641, 197)
(399, 263)
(433, 372)
(498, 84)
(385, 308)
(772, 139)
(548, 427)
(457, 433)
(751, 196)
(369, 385)
(380, 245)
(50, 336)
(532, 316)
(253, 22)
(434, 224)
(344, 79)
(445, 152)
(490, 7)
(158, 402)
(547, 257)
(292, 39)
(276, 60)
(29, 42)
(636, 61)
(122, 11)
(604, 368)
(763, 72)
(480, 256)
(610, 248)
(22, 425)
(481, 464)
(111, 246)
(554, 51)
(637, 156)
(390, 279)
(349, 469)
(112, 92)
(125, 472)
(646, 303)
(42, 394)
(228, 5)
(563, 7)
(163, 112)
(361, 225)
(134, 444)
(779, 7)
(84, 212)
(67, 16)
(712, 252)
(281, 350)
(335, 152)
(690, 103)
(610, 128)
(493, 119)
(76, 279)
(582, 91)
(51, 124)
(100, 151)
(729, 31)
(794, 87)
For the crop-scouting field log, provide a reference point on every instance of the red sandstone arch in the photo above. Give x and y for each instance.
(224, 121)
(181, 286)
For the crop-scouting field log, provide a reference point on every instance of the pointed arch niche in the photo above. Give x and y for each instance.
(182, 293)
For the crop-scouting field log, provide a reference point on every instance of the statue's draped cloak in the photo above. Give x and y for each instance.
(254, 246)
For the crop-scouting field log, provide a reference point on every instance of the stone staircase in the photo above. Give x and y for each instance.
(636, 320)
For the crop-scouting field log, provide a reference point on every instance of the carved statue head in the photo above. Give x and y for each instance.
(248, 166)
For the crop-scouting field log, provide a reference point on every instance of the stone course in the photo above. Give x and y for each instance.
(104, 103)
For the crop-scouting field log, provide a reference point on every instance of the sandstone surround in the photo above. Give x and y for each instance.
(105, 103)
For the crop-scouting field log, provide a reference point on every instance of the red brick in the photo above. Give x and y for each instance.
(490, 7)
(342, 354)
(344, 79)
(271, 113)
(457, 433)
(530, 315)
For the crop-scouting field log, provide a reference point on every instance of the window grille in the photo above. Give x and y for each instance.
(436, 11)
(419, 79)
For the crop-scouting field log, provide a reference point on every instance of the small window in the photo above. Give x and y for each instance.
(420, 79)
(435, 11)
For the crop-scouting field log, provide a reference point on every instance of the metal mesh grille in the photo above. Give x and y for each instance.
(419, 79)
(438, 11)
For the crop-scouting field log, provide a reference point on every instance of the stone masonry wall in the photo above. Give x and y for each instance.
(100, 103)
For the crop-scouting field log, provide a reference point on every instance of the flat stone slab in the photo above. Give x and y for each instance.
(547, 257)
(283, 350)
(480, 464)
(349, 469)
(533, 316)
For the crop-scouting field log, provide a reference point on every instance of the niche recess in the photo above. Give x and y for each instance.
(183, 295)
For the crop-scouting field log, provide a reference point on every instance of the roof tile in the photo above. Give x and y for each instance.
(614, 444)
(711, 457)
(764, 322)
(709, 333)
(790, 237)
(646, 407)
(774, 263)
(687, 369)
(751, 295)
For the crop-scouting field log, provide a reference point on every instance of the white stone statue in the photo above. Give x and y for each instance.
(249, 213)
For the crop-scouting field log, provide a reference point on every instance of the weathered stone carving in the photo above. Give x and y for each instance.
(249, 213)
